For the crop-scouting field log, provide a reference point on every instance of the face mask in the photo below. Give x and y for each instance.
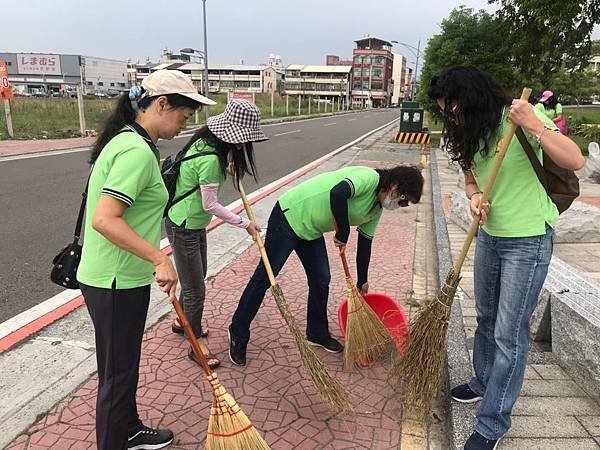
(394, 203)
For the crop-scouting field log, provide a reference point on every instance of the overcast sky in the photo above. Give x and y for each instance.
(300, 31)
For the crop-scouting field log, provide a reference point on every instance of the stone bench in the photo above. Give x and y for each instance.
(568, 315)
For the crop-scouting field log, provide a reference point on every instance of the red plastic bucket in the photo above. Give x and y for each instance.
(390, 313)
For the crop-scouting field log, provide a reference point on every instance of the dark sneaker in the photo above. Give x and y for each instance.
(477, 442)
(149, 439)
(237, 351)
(464, 394)
(328, 343)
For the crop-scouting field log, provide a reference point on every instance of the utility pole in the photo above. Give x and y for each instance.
(205, 58)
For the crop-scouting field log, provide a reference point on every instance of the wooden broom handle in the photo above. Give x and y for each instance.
(191, 336)
(345, 264)
(258, 237)
(503, 146)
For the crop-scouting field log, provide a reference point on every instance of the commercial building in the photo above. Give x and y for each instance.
(326, 82)
(372, 72)
(47, 73)
(398, 78)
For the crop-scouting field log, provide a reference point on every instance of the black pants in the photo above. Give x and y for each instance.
(280, 242)
(119, 316)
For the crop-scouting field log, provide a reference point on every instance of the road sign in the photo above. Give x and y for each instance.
(248, 96)
(4, 84)
(6, 91)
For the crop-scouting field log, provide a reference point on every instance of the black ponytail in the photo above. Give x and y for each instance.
(124, 114)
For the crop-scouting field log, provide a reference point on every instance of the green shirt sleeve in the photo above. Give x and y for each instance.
(208, 169)
(129, 174)
(362, 181)
(368, 229)
(558, 109)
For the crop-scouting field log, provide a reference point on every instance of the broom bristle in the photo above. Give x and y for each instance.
(329, 388)
(228, 427)
(366, 336)
(420, 366)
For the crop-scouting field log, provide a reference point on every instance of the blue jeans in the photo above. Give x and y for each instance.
(280, 241)
(509, 275)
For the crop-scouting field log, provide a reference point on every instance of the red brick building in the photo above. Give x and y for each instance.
(334, 60)
(372, 67)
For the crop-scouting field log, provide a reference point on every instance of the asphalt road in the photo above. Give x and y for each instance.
(40, 196)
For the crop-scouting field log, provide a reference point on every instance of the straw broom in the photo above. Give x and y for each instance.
(228, 427)
(366, 335)
(420, 367)
(329, 388)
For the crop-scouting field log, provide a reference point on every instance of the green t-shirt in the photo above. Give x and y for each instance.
(199, 171)
(307, 207)
(519, 205)
(128, 170)
(550, 113)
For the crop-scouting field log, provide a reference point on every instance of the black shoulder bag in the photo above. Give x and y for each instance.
(64, 270)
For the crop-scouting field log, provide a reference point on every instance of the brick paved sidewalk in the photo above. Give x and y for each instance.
(42, 145)
(272, 389)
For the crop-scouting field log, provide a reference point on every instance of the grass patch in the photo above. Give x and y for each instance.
(54, 118)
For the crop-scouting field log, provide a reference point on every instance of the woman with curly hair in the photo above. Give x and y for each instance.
(334, 200)
(515, 239)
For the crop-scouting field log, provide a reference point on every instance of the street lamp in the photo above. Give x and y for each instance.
(417, 52)
(204, 55)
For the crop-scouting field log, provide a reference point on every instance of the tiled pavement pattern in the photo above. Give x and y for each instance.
(272, 389)
(553, 413)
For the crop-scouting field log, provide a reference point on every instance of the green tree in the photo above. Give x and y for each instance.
(548, 35)
(576, 84)
(468, 37)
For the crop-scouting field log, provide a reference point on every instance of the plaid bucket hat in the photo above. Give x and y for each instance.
(238, 124)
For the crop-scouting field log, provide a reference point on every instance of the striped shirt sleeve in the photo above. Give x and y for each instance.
(129, 174)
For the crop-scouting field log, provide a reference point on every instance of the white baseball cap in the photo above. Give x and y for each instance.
(163, 82)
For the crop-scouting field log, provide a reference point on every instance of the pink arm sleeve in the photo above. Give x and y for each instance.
(211, 205)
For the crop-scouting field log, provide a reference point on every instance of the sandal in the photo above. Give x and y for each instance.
(212, 360)
(178, 329)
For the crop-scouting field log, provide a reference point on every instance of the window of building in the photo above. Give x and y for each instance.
(377, 73)
(366, 60)
(112, 84)
(378, 60)
(376, 85)
(100, 83)
(122, 85)
(365, 85)
(89, 83)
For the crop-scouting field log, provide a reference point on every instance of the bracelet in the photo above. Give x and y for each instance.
(478, 192)
(538, 137)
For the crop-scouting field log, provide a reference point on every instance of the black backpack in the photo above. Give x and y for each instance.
(170, 172)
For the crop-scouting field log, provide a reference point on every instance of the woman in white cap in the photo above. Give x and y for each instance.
(225, 147)
(126, 197)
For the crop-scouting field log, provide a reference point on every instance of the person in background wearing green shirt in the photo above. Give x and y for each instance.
(126, 197)
(352, 196)
(515, 238)
(548, 104)
(226, 137)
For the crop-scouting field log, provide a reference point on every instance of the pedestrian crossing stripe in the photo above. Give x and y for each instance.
(413, 138)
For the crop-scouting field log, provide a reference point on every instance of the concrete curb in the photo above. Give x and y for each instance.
(458, 359)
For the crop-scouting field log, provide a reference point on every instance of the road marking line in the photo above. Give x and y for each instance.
(329, 124)
(23, 325)
(350, 120)
(287, 132)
